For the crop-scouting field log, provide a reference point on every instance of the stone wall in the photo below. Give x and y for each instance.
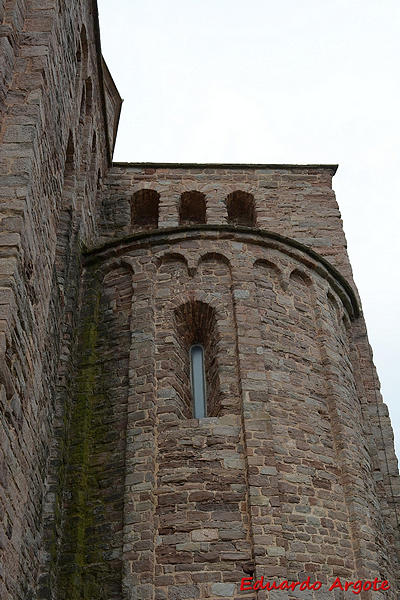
(280, 481)
(294, 201)
(298, 203)
(109, 487)
(52, 161)
(89, 561)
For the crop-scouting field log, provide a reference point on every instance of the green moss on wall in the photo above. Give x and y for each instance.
(87, 546)
(80, 549)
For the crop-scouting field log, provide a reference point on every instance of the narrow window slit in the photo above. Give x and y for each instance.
(198, 381)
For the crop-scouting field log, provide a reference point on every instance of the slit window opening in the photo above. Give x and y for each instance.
(198, 381)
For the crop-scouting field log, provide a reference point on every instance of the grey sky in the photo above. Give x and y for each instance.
(263, 81)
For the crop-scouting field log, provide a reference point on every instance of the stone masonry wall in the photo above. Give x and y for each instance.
(89, 561)
(109, 487)
(52, 160)
(297, 202)
(281, 481)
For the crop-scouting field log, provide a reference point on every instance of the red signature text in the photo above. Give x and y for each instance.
(247, 584)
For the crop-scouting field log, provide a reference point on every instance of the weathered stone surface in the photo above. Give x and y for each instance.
(109, 487)
(223, 589)
(205, 535)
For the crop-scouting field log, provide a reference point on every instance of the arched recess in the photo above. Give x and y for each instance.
(195, 323)
(145, 209)
(82, 106)
(268, 274)
(192, 208)
(214, 274)
(214, 256)
(82, 53)
(89, 96)
(172, 265)
(300, 278)
(241, 209)
(302, 293)
(342, 324)
(333, 306)
(87, 151)
(93, 153)
(64, 224)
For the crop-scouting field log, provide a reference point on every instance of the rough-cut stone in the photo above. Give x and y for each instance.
(109, 273)
(223, 589)
(205, 535)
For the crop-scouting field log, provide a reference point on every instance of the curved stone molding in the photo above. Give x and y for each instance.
(115, 263)
(289, 247)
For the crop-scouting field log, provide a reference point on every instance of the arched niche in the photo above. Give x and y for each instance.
(192, 208)
(145, 209)
(241, 209)
(195, 323)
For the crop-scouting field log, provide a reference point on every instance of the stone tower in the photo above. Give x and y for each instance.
(113, 485)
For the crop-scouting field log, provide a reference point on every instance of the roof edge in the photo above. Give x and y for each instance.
(100, 63)
(107, 78)
(188, 165)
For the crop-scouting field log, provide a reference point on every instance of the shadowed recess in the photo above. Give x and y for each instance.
(192, 208)
(144, 209)
(195, 323)
(241, 209)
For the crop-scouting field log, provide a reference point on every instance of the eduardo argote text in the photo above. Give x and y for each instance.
(247, 583)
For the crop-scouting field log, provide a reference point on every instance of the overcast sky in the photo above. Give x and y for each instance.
(294, 81)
